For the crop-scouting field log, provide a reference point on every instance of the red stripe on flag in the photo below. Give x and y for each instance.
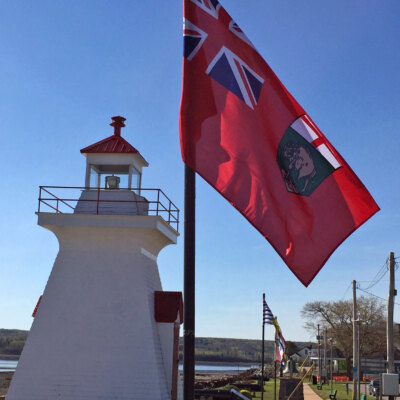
(317, 142)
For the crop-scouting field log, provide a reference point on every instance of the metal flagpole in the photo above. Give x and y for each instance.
(262, 353)
(189, 285)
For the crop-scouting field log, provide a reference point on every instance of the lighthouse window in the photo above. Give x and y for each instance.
(129, 176)
(94, 177)
(135, 180)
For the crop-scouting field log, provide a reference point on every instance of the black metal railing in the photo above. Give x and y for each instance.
(69, 199)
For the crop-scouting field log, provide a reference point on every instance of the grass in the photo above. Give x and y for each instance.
(269, 390)
(341, 391)
(324, 393)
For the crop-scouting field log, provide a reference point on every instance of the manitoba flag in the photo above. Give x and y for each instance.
(245, 134)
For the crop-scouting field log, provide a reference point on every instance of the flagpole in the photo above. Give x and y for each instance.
(262, 354)
(189, 286)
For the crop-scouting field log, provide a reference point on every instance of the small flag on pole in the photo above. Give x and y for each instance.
(268, 317)
(280, 343)
(280, 346)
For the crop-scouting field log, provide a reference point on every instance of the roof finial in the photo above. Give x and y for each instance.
(118, 123)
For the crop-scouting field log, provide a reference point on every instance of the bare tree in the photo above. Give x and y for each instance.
(336, 317)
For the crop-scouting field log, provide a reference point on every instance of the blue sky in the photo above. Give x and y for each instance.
(67, 67)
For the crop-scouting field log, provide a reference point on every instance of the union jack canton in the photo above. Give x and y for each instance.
(226, 67)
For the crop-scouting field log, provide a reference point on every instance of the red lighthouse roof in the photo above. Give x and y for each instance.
(114, 143)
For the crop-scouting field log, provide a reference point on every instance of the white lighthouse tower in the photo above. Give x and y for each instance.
(104, 328)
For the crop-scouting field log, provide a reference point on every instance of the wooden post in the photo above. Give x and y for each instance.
(355, 345)
(389, 328)
(325, 347)
(331, 364)
(319, 357)
(262, 353)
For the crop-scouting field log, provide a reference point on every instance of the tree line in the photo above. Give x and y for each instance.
(12, 341)
(235, 350)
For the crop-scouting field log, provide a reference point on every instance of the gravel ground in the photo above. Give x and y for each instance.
(5, 379)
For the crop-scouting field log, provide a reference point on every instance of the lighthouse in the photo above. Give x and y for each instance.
(104, 328)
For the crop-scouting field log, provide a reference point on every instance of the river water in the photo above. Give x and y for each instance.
(10, 365)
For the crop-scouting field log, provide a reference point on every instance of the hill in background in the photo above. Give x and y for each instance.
(230, 350)
(207, 349)
(236, 350)
(11, 342)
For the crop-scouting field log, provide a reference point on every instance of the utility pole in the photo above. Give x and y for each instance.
(325, 347)
(262, 353)
(331, 364)
(389, 327)
(359, 377)
(355, 345)
(319, 357)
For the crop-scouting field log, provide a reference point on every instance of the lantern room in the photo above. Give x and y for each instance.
(113, 163)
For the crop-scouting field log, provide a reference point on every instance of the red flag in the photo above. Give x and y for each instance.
(245, 134)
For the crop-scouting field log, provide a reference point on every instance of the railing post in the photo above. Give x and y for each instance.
(158, 200)
(98, 199)
(169, 213)
(40, 197)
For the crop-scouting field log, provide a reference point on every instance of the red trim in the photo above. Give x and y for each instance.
(112, 144)
(168, 306)
(37, 306)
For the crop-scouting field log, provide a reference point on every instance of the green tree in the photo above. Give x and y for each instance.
(291, 348)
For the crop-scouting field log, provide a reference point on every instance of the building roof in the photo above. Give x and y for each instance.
(112, 144)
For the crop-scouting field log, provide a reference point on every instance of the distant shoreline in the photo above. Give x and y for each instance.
(218, 363)
(15, 357)
(9, 357)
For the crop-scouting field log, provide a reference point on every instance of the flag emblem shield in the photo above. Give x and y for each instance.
(303, 159)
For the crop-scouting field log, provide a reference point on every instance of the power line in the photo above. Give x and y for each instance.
(345, 292)
(378, 277)
(371, 294)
